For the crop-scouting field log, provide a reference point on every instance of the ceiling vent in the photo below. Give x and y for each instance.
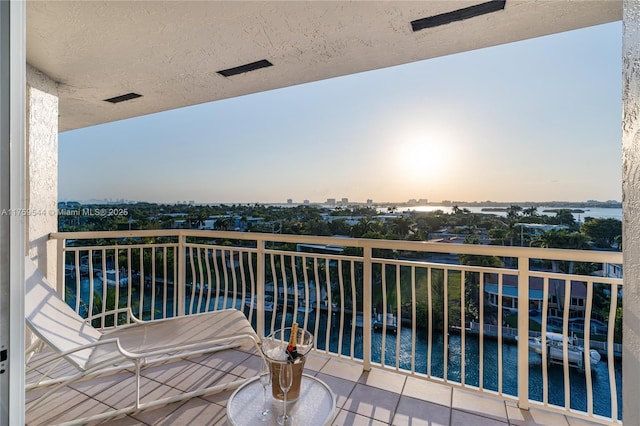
(246, 68)
(122, 98)
(458, 15)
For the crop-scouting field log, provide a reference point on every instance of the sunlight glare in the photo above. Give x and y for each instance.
(424, 156)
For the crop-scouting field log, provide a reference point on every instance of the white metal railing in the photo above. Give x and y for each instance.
(380, 302)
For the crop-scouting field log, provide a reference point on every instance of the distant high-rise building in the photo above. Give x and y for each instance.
(369, 201)
(305, 202)
(331, 201)
(423, 201)
(344, 201)
(289, 201)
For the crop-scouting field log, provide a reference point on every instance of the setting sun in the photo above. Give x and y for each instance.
(424, 157)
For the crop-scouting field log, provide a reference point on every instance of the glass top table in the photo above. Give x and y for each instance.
(315, 406)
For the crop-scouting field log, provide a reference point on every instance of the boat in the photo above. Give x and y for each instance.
(197, 288)
(359, 320)
(555, 350)
(302, 306)
(391, 323)
(253, 303)
(110, 278)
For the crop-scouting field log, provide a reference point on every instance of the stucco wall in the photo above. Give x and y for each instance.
(631, 211)
(42, 169)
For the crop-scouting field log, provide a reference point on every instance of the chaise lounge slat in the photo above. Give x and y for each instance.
(192, 329)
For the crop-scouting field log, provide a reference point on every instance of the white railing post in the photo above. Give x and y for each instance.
(182, 272)
(523, 332)
(366, 308)
(61, 267)
(260, 290)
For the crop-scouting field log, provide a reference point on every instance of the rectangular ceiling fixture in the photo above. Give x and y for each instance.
(246, 68)
(458, 15)
(123, 98)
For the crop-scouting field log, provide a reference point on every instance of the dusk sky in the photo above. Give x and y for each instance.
(537, 120)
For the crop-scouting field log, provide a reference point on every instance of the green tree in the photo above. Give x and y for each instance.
(472, 279)
(339, 227)
(603, 232)
(401, 227)
(562, 239)
(366, 225)
(513, 212)
(498, 236)
(224, 223)
(565, 217)
(479, 260)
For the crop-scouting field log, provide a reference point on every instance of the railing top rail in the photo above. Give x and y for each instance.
(575, 277)
(421, 246)
(121, 246)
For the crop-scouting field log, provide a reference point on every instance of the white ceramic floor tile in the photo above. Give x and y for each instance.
(415, 412)
(342, 369)
(372, 402)
(479, 404)
(385, 380)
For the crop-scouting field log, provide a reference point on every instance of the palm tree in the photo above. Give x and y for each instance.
(402, 226)
(562, 239)
(618, 242)
(224, 223)
(513, 211)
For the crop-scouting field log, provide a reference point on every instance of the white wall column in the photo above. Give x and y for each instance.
(42, 169)
(12, 201)
(631, 211)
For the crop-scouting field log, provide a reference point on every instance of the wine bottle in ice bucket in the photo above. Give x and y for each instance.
(292, 350)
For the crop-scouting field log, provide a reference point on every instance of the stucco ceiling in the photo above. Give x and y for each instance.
(170, 52)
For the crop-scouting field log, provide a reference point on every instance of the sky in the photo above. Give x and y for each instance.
(537, 120)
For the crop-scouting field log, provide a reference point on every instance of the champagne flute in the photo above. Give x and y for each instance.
(265, 380)
(286, 380)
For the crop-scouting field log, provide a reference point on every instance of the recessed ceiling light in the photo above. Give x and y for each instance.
(123, 98)
(245, 68)
(458, 15)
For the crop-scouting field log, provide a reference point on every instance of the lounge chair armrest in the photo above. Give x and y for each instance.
(202, 344)
(91, 346)
(134, 318)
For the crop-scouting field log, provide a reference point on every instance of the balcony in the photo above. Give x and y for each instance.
(405, 332)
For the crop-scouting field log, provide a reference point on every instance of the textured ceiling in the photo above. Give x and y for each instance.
(170, 52)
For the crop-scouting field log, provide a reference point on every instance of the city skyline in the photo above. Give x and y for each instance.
(537, 120)
(346, 201)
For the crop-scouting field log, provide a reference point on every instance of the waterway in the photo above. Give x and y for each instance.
(594, 212)
(490, 370)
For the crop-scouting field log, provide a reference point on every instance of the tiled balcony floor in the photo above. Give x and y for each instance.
(373, 398)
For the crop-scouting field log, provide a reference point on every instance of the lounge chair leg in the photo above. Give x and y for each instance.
(138, 383)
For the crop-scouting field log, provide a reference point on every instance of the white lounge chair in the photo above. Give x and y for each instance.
(129, 347)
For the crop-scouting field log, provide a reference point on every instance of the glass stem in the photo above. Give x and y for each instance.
(284, 415)
(264, 405)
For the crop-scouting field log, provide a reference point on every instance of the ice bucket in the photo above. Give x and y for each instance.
(274, 349)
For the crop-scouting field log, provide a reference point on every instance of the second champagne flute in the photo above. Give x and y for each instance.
(265, 380)
(286, 379)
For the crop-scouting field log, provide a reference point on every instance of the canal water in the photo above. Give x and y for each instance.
(556, 394)
(490, 376)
